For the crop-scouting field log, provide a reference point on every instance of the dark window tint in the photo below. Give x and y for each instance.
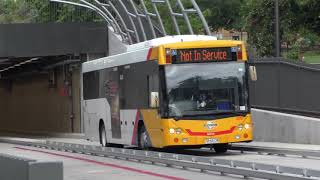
(137, 81)
(91, 85)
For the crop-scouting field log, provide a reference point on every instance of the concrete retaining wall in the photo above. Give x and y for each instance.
(17, 168)
(280, 127)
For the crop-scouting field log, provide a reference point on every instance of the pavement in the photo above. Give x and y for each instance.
(86, 167)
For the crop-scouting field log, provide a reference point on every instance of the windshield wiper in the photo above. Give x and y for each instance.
(230, 112)
(203, 115)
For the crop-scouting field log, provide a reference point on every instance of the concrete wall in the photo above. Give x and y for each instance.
(115, 44)
(280, 127)
(31, 106)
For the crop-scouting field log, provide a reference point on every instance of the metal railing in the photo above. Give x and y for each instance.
(278, 151)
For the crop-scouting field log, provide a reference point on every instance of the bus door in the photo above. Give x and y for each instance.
(123, 113)
(129, 99)
(152, 116)
(112, 94)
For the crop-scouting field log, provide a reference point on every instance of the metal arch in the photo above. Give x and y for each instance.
(114, 20)
(118, 20)
(139, 19)
(173, 17)
(122, 21)
(111, 21)
(159, 17)
(108, 13)
(101, 13)
(147, 14)
(185, 16)
(81, 5)
(204, 22)
(131, 20)
(99, 10)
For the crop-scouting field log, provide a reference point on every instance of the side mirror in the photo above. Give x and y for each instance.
(253, 73)
(154, 99)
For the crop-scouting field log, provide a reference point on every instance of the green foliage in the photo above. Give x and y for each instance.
(218, 13)
(294, 53)
(222, 13)
(18, 12)
(303, 41)
(299, 19)
(42, 11)
(258, 24)
(167, 20)
(299, 25)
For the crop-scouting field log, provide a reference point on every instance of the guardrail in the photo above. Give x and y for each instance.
(224, 166)
(278, 151)
(17, 168)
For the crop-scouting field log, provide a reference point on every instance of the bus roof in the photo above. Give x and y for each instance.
(167, 40)
(138, 52)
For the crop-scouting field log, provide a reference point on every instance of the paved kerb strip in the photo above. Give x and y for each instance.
(245, 169)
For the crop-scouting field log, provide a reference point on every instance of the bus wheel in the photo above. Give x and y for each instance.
(144, 141)
(103, 136)
(220, 148)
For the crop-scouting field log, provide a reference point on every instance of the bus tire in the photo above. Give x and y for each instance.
(221, 148)
(144, 140)
(103, 135)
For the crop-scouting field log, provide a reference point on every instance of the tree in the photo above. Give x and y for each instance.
(167, 21)
(222, 13)
(42, 11)
(218, 13)
(299, 24)
(16, 12)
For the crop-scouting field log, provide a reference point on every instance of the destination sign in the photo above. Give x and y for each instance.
(201, 55)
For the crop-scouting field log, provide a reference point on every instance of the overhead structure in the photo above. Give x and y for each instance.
(136, 21)
(68, 43)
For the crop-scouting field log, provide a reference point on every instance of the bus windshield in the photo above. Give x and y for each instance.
(206, 89)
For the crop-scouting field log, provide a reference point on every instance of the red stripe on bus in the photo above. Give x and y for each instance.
(135, 129)
(105, 164)
(191, 133)
(149, 54)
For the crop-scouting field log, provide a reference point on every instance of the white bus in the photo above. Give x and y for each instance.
(126, 97)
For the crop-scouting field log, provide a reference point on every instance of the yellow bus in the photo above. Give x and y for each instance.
(186, 91)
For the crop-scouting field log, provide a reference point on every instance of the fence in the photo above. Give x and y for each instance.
(286, 86)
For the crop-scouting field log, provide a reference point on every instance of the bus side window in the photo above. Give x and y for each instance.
(153, 90)
(91, 85)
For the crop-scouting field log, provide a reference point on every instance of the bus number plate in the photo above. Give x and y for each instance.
(211, 141)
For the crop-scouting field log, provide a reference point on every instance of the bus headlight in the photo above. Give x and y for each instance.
(171, 131)
(240, 127)
(178, 131)
(247, 126)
